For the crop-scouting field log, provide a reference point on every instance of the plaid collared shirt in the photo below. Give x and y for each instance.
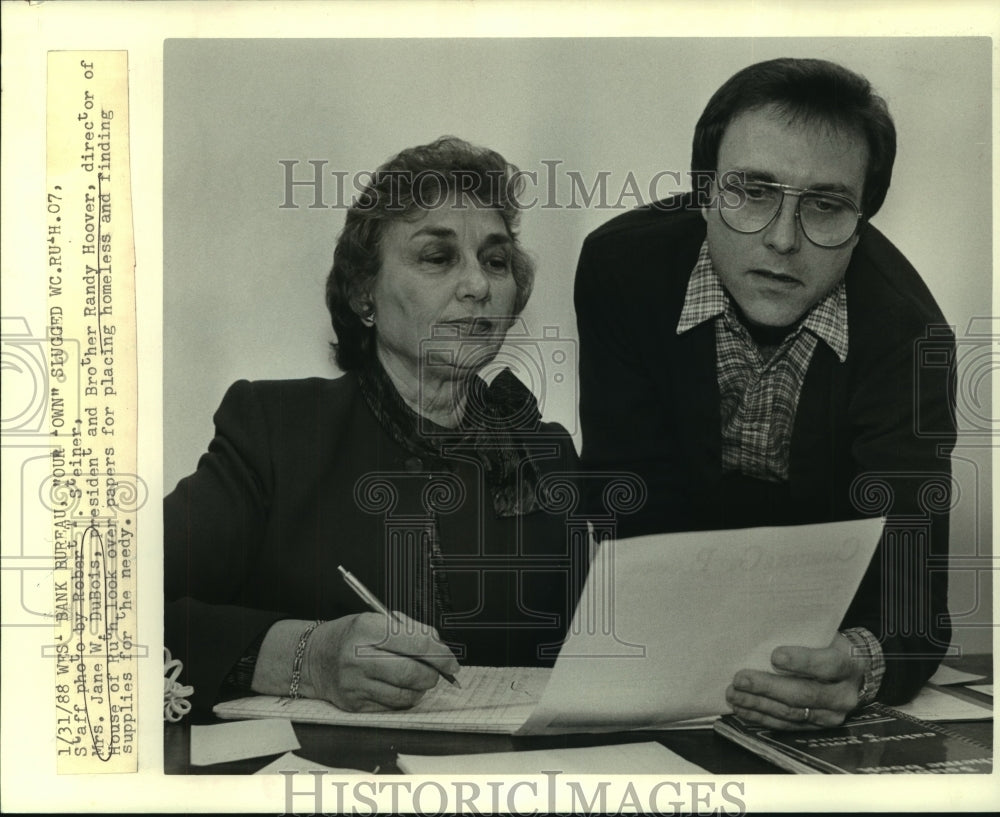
(759, 389)
(759, 393)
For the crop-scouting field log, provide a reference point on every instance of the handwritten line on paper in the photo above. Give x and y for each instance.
(241, 739)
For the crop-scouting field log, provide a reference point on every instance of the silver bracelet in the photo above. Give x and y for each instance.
(300, 650)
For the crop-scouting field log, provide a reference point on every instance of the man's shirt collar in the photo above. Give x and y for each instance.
(706, 298)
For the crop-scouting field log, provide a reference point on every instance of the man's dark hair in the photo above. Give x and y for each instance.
(810, 90)
(413, 181)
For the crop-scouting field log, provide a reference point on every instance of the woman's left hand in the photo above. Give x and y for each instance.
(818, 688)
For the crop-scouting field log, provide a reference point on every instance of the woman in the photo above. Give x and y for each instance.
(424, 482)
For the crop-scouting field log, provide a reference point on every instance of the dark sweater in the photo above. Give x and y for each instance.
(299, 479)
(872, 436)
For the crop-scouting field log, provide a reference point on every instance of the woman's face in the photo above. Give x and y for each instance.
(444, 295)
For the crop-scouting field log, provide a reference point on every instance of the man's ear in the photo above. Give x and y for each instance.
(711, 198)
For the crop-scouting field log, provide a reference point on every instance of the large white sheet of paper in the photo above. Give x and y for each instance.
(666, 620)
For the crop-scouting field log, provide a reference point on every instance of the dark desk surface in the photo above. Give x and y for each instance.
(371, 749)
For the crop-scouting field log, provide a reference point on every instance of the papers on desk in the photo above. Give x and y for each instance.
(945, 676)
(663, 624)
(491, 699)
(237, 741)
(985, 689)
(290, 762)
(628, 759)
(934, 705)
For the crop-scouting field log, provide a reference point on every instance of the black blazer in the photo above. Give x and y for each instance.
(872, 436)
(301, 478)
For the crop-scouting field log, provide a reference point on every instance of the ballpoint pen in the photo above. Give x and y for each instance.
(368, 598)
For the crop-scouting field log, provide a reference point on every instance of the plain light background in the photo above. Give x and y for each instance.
(243, 277)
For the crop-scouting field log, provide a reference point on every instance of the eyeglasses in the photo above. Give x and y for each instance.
(827, 219)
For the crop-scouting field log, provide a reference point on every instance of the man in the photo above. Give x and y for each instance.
(750, 352)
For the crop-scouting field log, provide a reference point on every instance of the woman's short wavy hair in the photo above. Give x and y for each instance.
(415, 180)
(816, 91)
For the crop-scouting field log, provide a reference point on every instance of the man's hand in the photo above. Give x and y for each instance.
(817, 688)
(367, 663)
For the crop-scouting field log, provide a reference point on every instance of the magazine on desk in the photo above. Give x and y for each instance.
(620, 668)
(878, 740)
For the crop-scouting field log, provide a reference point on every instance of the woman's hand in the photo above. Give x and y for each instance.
(818, 688)
(367, 662)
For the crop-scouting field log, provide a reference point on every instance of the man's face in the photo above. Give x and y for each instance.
(777, 275)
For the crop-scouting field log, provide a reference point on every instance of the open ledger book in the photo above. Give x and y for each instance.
(663, 624)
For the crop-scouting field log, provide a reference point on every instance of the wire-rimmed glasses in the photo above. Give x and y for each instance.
(827, 219)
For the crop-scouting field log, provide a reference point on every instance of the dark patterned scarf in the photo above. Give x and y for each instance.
(493, 414)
